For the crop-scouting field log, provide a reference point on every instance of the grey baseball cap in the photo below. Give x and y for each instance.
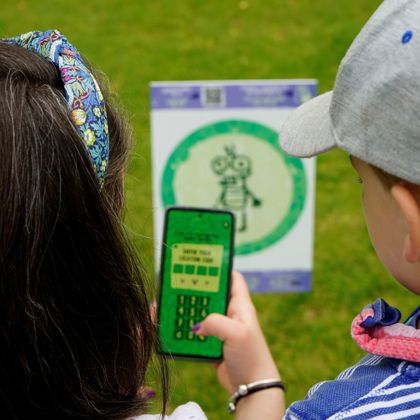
(373, 112)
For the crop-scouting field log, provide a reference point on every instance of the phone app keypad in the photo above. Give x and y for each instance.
(190, 310)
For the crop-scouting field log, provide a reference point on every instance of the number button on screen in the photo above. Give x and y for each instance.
(189, 311)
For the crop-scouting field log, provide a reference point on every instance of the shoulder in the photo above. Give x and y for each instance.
(376, 385)
(190, 411)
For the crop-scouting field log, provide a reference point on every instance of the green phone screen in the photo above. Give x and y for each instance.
(195, 276)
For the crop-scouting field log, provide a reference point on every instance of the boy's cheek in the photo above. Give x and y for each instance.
(380, 226)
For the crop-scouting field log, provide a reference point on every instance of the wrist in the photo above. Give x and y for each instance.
(267, 404)
(246, 391)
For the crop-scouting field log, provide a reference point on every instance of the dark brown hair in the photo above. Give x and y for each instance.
(76, 335)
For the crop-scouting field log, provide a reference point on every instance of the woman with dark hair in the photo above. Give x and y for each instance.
(76, 331)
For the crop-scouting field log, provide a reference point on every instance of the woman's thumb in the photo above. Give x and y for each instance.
(217, 325)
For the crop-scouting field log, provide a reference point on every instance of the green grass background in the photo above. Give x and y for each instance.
(135, 42)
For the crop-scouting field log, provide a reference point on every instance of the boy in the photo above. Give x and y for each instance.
(373, 114)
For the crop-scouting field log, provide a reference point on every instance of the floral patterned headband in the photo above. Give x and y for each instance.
(82, 92)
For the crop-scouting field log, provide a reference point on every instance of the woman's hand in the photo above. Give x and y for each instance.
(246, 356)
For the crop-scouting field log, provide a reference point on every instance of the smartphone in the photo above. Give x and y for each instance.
(195, 274)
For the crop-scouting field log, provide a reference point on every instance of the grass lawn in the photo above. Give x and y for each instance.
(135, 42)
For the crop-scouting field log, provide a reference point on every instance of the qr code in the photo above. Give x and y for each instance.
(213, 96)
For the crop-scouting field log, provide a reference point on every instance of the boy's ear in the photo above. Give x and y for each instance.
(407, 197)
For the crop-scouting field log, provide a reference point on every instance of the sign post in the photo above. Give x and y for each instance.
(216, 144)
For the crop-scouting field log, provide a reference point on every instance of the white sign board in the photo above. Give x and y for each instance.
(215, 144)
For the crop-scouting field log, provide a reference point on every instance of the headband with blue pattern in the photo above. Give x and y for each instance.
(82, 92)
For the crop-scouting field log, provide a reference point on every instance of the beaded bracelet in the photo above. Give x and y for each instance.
(244, 390)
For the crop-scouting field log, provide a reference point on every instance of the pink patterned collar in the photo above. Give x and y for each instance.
(377, 330)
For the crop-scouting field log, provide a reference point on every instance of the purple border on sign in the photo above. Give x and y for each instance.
(279, 281)
(213, 96)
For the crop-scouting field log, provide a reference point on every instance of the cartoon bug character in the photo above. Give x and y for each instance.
(234, 170)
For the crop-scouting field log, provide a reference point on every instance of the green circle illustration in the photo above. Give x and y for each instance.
(238, 165)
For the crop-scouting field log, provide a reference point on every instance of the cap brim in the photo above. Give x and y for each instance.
(308, 131)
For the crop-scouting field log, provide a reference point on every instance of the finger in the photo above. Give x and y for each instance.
(147, 392)
(239, 288)
(240, 304)
(153, 311)
(217, 325)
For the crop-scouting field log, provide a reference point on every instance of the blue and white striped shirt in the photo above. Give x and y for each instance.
(375, 388)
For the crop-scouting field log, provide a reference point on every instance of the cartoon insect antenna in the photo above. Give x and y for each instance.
(230, 151)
